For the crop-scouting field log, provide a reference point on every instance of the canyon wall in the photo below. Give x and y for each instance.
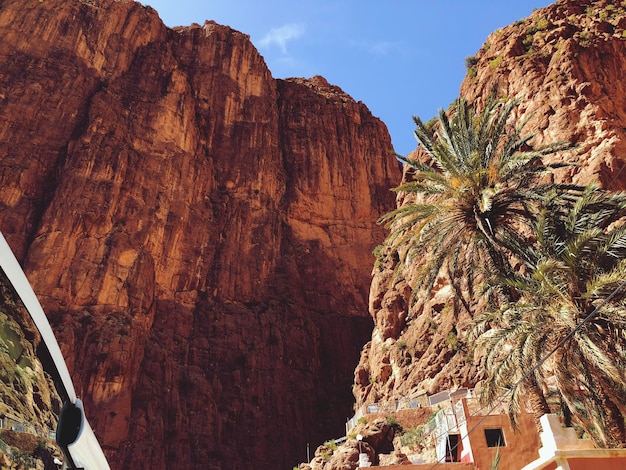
(565, 63)
(198, 232)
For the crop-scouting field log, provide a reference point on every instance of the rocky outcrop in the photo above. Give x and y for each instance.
(198, 232)
(29, 401)
(375, 438)
(565, 64)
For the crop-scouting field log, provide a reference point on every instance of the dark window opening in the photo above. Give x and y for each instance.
(453, 448)
(494, 437)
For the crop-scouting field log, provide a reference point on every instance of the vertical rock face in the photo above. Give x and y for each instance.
(565, 63)
(198, 232)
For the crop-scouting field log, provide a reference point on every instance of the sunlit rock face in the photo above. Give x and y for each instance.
(565, 63)
(199, 233)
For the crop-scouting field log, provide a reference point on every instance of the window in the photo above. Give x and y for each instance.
(453, 444)
(494, 437)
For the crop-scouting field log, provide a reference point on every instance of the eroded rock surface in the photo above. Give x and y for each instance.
(565, 63)
(199, 233)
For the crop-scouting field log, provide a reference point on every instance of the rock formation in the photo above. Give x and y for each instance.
(199, 233)
(565, 63)
(28, 397)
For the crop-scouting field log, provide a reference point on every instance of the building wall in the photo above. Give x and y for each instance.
(521, 445)
(604, 463)
(429, 466)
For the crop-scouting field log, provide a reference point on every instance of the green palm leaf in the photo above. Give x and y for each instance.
(577, 263)
(472, 199)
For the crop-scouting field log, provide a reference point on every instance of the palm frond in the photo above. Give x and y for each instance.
(577, 262)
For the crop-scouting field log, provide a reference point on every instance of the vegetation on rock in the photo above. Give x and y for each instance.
(480, 215)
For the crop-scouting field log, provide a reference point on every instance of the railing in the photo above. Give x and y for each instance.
(405, 403)
(352, 422)
(12, 424)
(376, 408)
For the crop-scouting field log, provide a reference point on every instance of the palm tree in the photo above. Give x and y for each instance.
(567, 331)
(465, 210)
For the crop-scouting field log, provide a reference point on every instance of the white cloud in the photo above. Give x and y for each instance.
(280, 36)
(379, 48)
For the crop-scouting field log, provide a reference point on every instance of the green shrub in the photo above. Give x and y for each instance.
(585, 38)
(541, 24)
(413, 437)
(332, 445)
(452, 340)
(495, 62)
(379, 255)
(327, 450)
(470, 61)
(391, 421)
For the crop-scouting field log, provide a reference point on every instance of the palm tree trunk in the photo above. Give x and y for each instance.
(613, 421)
(538, 403)
(567, 413)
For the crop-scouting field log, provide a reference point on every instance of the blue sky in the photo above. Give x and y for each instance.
(400, 57)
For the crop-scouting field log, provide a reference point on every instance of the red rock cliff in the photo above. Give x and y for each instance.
(198, 232)
(566, 64)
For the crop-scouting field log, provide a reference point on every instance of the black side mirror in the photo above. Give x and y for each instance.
(70, 422)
